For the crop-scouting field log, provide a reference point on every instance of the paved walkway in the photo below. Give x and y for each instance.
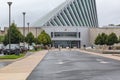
(112, 56)
(21, 69)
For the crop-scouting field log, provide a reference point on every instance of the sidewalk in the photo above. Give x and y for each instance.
(103, 55)
(21, 69)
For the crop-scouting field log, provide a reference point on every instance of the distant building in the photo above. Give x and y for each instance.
(68, 36)
(68, 24)
(72, 24)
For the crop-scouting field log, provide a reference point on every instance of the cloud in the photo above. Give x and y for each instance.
(34, 10)
(108, 10)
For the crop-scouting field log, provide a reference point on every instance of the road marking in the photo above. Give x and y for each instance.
(60, 63)
(101, 61)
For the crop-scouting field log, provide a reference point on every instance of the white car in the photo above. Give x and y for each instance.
(31, 47)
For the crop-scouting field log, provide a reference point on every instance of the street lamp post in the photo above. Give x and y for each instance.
(28, 26)
(28, 32)
(36, 35)
(9, 3)
(24, 28)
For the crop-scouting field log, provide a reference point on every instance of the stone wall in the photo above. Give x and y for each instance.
(95, 31)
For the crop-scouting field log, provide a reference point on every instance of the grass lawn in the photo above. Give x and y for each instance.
(12, 56)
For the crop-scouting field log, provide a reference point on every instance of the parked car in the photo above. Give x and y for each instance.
(15, 49)
(23, 49)
(31, 47)
(1, 48)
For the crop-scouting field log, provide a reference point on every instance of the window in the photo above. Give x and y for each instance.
(66, 34)
(51, 34)
(79, 35)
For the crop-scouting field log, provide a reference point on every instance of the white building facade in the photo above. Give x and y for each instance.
(69, 23)
(68, 36)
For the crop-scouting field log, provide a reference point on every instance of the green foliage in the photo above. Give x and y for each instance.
(1, 39)
(119, 39)
(112, 38)
(36, 41)
(15, 35)
(101, 39)
(111, 24)
(12, 56)
(30, 38)
(5, 42)
(44, 38)
(118, 25)
(97, 40)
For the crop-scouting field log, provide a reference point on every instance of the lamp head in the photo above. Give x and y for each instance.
(24, 13)
(28, 23)
(9, 3)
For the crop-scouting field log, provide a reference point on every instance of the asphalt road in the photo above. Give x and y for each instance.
(73, 65)
(4, 63)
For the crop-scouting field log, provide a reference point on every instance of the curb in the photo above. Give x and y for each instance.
(103, 55)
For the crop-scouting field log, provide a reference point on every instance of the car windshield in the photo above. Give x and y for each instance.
(13, 46)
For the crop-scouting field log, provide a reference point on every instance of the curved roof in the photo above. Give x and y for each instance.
(51, 14)
(71, 13)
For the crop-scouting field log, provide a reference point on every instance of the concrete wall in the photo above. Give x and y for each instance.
(2, 33)
(84, 33)
(95, 31)
(34, 30)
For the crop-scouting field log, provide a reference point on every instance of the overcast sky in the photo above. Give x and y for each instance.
(108, 10)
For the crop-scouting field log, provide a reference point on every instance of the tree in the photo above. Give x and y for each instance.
(119, 39)
(44, 38)
(30, 38)
(112, 39)
(111, 24)
(118, 25)
(97, 40)
(15, 35)
(36, 41)
(1, 39)
(101, 39)
(5, 41)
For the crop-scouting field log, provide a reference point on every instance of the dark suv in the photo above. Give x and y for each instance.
(15, 49)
